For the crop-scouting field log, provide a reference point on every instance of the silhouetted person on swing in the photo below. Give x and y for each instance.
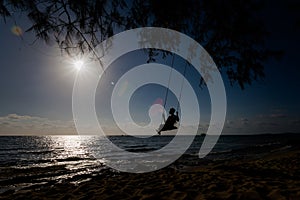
(169, 124)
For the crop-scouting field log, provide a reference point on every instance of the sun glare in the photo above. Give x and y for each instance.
(78, 64)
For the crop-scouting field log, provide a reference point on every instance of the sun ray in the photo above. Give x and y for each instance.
(78, 64)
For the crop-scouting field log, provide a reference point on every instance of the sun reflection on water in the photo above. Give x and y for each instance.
(71, 146)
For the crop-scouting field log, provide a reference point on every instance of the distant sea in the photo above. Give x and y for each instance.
(42, 161)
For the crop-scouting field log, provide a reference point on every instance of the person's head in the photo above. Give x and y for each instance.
(172, 111)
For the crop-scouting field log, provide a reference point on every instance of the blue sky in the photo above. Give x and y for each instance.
(36, 84)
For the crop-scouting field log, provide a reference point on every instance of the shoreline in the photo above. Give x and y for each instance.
(272, 175)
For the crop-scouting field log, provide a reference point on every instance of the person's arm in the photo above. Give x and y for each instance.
(177, 118)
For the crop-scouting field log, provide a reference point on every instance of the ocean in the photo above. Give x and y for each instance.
(43, 161)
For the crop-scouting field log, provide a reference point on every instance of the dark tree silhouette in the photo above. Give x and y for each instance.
(231, 31)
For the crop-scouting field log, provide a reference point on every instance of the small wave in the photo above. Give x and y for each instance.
(25, 151)
(141, 149)
(221, 152)
(73, 158)
(135, 146)
(282, 148)
(51, 173)
(268, 144)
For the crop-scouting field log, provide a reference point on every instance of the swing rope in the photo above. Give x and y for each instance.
(178, 103)
(167, 89)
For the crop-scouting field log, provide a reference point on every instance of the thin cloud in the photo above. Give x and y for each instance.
(244, 121)
(268, 124)
(18, 117)
(278, 115)
(14, 124)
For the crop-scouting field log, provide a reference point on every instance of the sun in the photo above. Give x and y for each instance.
(78, 64)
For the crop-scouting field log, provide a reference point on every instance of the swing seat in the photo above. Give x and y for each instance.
(162, 127)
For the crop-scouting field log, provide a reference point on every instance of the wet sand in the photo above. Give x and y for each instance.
(272, 175)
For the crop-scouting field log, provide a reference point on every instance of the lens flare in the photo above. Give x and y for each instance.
(17, 30)
(123, 89)
(159, 101)
(158, 109)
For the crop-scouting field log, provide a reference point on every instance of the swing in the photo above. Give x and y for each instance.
(175, 119)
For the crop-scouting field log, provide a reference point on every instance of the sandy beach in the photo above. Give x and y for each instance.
(273, 175)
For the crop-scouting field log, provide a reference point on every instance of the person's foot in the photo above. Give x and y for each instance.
(158, 132)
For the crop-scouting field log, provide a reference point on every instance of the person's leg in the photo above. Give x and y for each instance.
(163, 129)
(166, 127)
